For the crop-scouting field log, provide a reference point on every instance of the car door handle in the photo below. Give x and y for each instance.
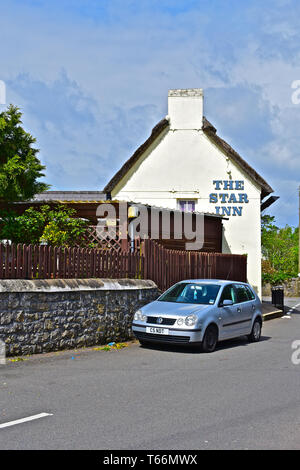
(253, 307)
(239, 310)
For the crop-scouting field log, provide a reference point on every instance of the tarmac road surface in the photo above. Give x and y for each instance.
(242, 396)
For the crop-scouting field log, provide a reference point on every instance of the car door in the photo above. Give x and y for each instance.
(245, 304)
(230, 316)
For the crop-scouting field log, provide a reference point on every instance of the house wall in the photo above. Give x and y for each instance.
(183, 165)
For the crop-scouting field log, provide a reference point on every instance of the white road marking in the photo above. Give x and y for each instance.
(24, 420)
(291, 310)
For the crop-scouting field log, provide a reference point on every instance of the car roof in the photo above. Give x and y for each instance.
(213, 281)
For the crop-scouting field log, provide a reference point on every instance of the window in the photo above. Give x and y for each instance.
(251, 296)
(228, 294)
(191, 293)
(242, 293)
(186, 206)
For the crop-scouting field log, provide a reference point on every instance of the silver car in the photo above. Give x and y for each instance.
(200, 311)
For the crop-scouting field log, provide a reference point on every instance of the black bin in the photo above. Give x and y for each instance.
(278, 297)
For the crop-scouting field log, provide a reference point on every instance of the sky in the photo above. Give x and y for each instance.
(92, 76)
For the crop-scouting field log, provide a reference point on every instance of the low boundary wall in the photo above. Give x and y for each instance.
(291, 288)
(49, 315)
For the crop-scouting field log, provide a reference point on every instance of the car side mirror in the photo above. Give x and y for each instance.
(226, 303)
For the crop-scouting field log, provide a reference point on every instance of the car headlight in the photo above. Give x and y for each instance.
(180, 321)
(138, 316)
(191, 320)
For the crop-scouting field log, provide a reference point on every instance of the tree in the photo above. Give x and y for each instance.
(20, 168)
(279, 251)
(56, 227)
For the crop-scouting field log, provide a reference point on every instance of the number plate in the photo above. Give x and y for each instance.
(157, 331)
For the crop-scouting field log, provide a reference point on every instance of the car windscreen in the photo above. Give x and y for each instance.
(190, 293)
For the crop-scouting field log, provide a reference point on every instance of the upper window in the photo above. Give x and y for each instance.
(187, 205)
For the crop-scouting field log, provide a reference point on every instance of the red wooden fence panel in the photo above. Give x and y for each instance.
(149, 261)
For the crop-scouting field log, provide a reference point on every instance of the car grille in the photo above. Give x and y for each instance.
(165, 321)
(163, 338)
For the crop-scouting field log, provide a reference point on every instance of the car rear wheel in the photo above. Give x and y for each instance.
(256, 332)
(210, 339)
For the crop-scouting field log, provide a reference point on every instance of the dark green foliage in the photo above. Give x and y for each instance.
(53, 226)
(280, 248)
(19, 166)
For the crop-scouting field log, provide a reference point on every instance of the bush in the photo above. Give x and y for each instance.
(280, 248)
(57, 227)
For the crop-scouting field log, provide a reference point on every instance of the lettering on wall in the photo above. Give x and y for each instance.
(228, 197)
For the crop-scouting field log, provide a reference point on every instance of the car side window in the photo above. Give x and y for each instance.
(251, 295)
(242, 294)
(228, 294)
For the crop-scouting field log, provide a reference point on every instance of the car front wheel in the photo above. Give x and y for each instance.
(210, 339)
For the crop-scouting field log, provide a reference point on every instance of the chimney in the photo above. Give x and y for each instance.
(185, 108)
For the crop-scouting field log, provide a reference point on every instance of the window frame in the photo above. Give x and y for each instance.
(186, 201)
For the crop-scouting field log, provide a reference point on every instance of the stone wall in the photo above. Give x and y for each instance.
(291, 288)
(48, 315)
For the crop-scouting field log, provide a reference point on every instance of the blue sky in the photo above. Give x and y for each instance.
(92, 77)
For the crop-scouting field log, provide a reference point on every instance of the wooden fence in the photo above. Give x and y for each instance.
(150, 261)
(165, 267)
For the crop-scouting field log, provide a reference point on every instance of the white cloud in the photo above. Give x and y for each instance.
(92, 79)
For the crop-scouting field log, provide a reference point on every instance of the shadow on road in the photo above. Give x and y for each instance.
(189, 349)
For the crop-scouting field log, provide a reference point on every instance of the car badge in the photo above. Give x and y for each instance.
(159, 320)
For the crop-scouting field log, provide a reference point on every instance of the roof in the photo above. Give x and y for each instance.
(214, 281)
(70, 196)
(268, 202)
(211, 132)
(169, 209)
(129, 203)
(77, 197)
(156, 131)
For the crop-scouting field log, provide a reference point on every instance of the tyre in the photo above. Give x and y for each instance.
(256, 332)
(210, 339)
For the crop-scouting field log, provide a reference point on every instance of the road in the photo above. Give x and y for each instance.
(242, 396)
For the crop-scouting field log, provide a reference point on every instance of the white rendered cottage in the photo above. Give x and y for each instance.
(185, 164)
